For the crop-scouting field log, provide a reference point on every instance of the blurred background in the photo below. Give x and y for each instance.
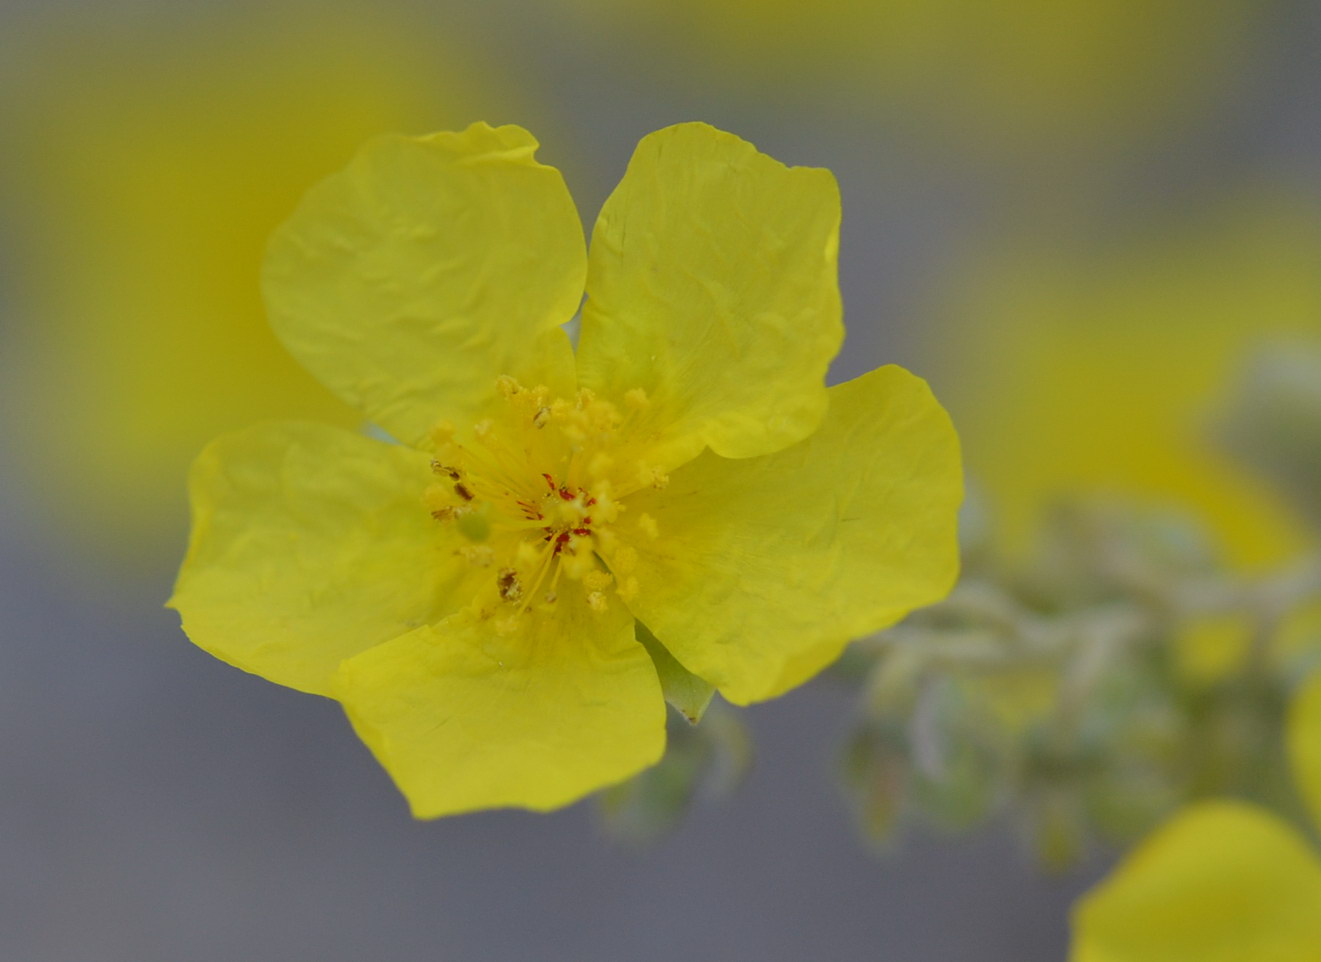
(1080, 223)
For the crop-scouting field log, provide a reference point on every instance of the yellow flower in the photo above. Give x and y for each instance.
(1108, 373)
(152, 166)
(1221, 882)
(470, 595)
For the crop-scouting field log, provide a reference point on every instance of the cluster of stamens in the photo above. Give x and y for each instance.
(535, 492)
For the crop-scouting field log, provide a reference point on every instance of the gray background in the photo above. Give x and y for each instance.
(156, 804)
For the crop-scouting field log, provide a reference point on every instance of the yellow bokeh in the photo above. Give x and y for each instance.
(1105, 375)
(994, 76)
(147, 169)
(1221, 881)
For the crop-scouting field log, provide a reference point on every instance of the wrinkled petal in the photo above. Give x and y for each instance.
(712, 287)
(412, 279)
(1304, 741)
(762, 570)
(1221, 882)
(310, 544)
(464, 717)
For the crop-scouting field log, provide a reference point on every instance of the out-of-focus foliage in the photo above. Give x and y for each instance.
(1275, 423)
(994, 77)
(707, 760)
(1119, 671)
(1081, 375)
(1088, 692)
(1221, 881)
(146, 161)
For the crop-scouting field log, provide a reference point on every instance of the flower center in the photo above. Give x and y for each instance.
(536, 492)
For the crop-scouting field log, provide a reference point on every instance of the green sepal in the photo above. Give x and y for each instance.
(685, 691)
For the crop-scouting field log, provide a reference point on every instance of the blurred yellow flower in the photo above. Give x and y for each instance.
(470, 595)
(148, 167)
(997, 77)
(1103, 376)
(1221, 882)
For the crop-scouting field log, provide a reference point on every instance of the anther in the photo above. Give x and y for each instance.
(647, 524)
(477, 555)
(597, 580)
(510, 588)
(649, 474)
(442, 433)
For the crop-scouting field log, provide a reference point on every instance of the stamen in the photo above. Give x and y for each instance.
(533, 491)
(510, 588)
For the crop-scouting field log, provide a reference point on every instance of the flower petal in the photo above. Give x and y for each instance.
(712, 287)
(464, 717)
(1304, 741)
(428, 267)
(310, 544)
(1221, 882)
(763, 570)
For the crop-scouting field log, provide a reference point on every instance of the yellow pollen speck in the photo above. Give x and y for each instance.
(477, 555)
(442, 433)
(546, 474)
(647, 524)
(652, 476)
(626, 559)
(437, 496)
